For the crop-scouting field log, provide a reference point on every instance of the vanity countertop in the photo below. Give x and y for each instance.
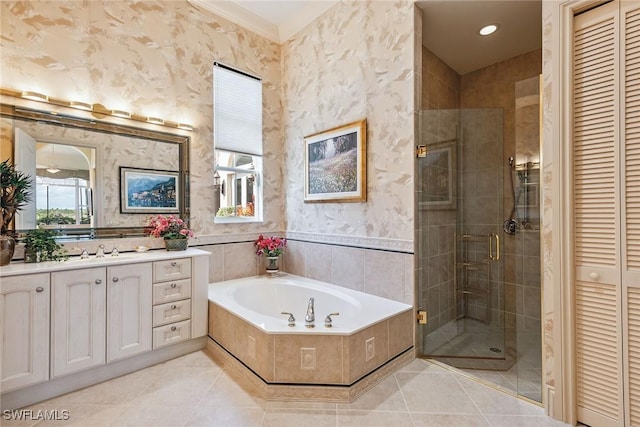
(74, 263)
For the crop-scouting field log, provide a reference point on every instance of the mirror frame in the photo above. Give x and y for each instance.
(65, 120)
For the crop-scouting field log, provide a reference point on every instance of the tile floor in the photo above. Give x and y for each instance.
(193, 390)
(468, 337)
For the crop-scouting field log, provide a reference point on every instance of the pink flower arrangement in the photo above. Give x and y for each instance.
(169, 227)
(270, 246)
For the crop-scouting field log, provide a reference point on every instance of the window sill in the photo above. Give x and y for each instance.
(235, 220)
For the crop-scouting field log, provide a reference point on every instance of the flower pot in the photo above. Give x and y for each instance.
(272, 265)
(31, 256)
(7, 248)
(176, 244)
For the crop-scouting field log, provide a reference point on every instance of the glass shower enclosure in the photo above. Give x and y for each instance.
(471, 266)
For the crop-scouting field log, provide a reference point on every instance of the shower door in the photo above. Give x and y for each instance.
(460, 202)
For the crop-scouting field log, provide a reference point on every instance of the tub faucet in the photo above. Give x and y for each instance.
(310, 318)
(100, 251)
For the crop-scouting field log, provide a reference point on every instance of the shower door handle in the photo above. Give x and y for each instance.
(492, 256)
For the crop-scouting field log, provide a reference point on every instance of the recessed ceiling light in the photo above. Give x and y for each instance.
(488, 29)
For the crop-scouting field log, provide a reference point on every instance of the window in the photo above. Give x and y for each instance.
(237, 127)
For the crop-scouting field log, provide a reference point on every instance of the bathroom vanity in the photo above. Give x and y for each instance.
(67, 325)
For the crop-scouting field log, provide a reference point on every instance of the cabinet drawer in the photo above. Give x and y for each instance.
(171, 312)
(174, 269)
(172, 333)
(171, 291)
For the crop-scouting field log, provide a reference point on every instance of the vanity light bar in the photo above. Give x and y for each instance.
(121, 113)
(34, 96)
(155, 120)
(97, 110)
(81, 105)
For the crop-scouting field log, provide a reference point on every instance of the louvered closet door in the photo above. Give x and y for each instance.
(630, 134)
(596, 185)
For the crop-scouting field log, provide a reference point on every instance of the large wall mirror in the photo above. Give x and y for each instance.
(95, 179)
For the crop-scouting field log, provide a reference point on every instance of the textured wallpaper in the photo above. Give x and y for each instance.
(355, 61)
(154, 58)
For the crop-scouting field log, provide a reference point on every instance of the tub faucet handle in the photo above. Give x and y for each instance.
(114, 251)
(328, 320)
(291, 320)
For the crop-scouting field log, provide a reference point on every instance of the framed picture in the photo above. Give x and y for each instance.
(148, 191)
(438, 176)
(335, 164)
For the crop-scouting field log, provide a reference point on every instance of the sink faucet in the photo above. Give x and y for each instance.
(100, 251)
(310, 318)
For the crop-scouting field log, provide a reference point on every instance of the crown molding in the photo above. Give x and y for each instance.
(279, 34)
(303, 18)
(239, 15)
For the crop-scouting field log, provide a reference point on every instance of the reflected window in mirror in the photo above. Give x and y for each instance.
(65, 182)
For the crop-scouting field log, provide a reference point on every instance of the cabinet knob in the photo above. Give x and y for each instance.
(173, 328)
(594, 276)
(39, 289)
(173, 264)
(173, 285)
(98, 281)
(173, 306)
(115, 280)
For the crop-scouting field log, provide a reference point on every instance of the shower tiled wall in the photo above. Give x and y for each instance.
(495, 87)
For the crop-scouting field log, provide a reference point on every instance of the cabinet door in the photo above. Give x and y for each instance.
(24, 310)
(129, 307)
(78, 330)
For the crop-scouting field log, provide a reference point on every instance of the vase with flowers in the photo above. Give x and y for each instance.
(172, 229)
(271, 248)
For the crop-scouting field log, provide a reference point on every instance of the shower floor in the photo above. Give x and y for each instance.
(468, 348)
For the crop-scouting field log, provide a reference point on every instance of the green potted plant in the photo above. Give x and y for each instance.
(16, 193)
(40, 245)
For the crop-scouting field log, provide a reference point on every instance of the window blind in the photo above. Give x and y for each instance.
(237, 111)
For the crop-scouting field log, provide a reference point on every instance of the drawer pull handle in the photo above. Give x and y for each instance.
(39, 289)
(173, 328)
(115, 280)
(173, 285)
(594, 276)
(173, 306)
(98, 281)
(173, 264)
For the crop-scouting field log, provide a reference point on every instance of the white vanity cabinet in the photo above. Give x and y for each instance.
(129, 296)
(24, 310)
(68, 325)
(172, 301)
(97, 307)
(78, 319)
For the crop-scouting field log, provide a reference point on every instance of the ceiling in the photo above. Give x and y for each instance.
(450, 30)
(449, 27)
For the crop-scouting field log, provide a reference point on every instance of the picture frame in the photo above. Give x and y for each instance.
(335, 164)
(149, 191)
(438, 176)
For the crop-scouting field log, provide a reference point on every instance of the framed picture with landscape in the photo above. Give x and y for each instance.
(148, 191)
(335, 164)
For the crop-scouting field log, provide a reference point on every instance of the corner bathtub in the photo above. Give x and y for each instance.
(245, 322)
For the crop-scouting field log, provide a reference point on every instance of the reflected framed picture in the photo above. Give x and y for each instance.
(438, 176)
(335, 164)
(149, 191)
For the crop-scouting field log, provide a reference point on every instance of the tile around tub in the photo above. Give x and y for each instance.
(384, 274)
(385, 396)
(347, 267)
